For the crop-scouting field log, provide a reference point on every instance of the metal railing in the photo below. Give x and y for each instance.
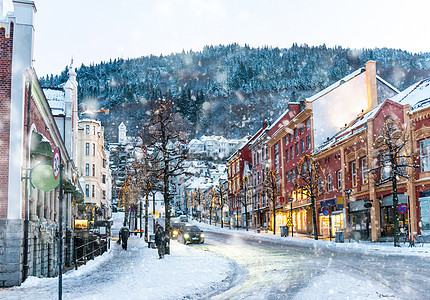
(90, 249)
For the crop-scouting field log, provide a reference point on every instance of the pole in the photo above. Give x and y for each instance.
(60, 235)
(329, 222)
(153, 211)
(140, 223)
(291, 212)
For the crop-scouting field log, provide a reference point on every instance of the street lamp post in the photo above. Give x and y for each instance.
(348, 220)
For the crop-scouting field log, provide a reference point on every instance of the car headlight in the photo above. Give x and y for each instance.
(186, 235)
(202, 235)
(175, 232)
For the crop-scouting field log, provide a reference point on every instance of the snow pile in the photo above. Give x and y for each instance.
(338, 285)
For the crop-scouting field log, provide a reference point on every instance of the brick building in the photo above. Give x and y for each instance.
(29, 212)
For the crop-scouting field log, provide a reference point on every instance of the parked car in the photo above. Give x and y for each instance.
(183, 218)
(191, 234)
(176, 226)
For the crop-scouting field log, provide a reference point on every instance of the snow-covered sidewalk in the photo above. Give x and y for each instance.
(349, 246)
(133, 274)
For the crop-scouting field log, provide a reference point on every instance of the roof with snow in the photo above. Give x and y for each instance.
(56, 99)
(417, 95)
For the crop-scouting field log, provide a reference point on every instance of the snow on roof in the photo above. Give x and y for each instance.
(356, 126)
(56, 99)
(417, 95)
(335, 85)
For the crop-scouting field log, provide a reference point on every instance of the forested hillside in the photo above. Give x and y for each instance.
(229, 90)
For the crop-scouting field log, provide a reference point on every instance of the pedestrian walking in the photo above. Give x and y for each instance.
(160, 241)
(124, 233)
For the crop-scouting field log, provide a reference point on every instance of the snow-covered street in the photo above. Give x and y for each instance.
(235, 264)
(133, 274)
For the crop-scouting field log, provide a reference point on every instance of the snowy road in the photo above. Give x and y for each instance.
(273, 270)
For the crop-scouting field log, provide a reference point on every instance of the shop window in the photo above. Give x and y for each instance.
(425, 155)
(425, 215)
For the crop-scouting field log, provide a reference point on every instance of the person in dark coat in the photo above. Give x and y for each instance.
(159, 240)
(124, 233)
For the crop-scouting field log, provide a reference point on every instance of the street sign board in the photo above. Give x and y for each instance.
(402, 208)
(289, 222)
(56, 163)
(326, 212)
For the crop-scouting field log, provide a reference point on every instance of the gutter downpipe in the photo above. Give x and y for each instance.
(27, 178)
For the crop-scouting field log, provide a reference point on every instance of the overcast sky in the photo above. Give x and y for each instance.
(96, 30)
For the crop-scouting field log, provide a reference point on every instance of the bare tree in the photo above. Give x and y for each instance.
(244, 199)
(272, 190)
(310, 179)
(221, 194)
(166, 135)
(393, 164)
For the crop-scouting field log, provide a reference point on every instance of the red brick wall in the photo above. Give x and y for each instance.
(6, 45)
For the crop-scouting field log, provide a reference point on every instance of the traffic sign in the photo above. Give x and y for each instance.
(325, 212)
(289, 222)
(56, 163)
(402, 208)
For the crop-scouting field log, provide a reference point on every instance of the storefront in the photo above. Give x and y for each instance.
(331, 213)
(387, 215)
(302, 219)
(359, 219)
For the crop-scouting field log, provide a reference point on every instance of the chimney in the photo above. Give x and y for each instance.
(372, 91)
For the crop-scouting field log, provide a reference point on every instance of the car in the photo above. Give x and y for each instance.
(176, 226)
(183, 218)
(191, 234)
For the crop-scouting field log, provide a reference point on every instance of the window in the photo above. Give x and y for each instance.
(386, 166)
(297, 149)
(87, 129)
(308, 142)
(87, 190)
(293, 174)
(339, 179)
(277, 161)
(290, 137)
(425, 155)
(287, 155)
(296, 134)
(104, 194)
(288, 176)
(87, 148)
(364, 171)
(308, 124)
(329, 186)
(301, 129)
(286, 140)
(104, 163)
(258, 177)
(93, 191)
(94, 130)
(87, 170)
(353, 174)
(276, 148)
(94, 170)
(291, 152)
(103, 178)
(302, 145)
(94, 149)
